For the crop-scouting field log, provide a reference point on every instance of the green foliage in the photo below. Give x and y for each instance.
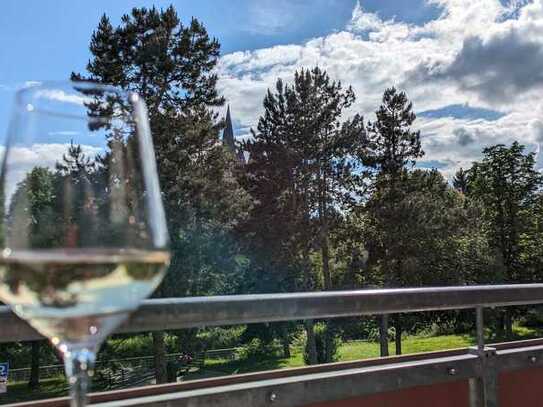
(129, 346)
(374, 334)
(302, 173)
(221, 338)
(460, 181)
(392, 144)
(171, 65)
(19, 354)
(357, 328)
(258, 349)
(35, 196)
(505, 183)
(328, 341)
(533, 318)
(412, 230)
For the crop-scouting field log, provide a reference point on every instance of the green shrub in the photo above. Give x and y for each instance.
(356, 328)
(533, 318)
(257, 349)
(129, 346)
(374, 335)
(324, 331)
(18, 354)
(221, 338)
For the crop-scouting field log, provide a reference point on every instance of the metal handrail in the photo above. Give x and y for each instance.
(178, 313)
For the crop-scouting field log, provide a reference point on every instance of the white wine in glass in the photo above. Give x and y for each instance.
(84, 237)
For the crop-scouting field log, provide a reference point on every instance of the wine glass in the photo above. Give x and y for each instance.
(83, 230)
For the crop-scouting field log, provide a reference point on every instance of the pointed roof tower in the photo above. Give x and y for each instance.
(228, 138)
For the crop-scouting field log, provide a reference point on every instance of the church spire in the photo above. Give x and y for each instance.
(228, 133)
(228, 138)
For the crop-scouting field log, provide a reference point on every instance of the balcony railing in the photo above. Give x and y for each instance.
(481, 372)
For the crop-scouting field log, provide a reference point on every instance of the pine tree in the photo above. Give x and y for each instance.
(392, 146)
(303, 171)
(171, 65)
(460, 181)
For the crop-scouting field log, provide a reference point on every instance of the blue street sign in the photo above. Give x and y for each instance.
(4, 368)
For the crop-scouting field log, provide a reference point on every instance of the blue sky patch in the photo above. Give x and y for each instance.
(462, 112)
(437, 164)
(416, 12)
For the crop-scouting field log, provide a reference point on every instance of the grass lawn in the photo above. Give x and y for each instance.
(348, 351)
(410, 344)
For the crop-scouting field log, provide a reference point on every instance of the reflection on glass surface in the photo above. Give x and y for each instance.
(84, 236)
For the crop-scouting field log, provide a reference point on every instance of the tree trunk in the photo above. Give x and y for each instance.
(187, 341)
(285, 342)
(331, 331)
(398, 336)
(311, 344)
(326, 262)
(383, 334)
(508, 322)
(325, 252)
(324, 243)
(159, 354)
(499, 324)
(34, 381)
(286, 347)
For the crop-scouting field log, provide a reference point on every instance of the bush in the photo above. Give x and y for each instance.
(124, 346)
(221, 338)
(18, 354)
(533, 318)
(324, 347)
(374, 335)
(356, 328)
(257, 349)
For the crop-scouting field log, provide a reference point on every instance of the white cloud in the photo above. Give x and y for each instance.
(59, 95)
(372, 54)
(21, 160)
(363, 21)
(376, 28)
(32, 83)
(64, 133)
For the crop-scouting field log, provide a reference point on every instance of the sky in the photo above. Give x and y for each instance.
(473, 68)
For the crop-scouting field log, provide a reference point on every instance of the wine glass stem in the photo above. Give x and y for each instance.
(79, 365)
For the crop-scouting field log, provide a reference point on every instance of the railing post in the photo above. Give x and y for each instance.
(476, 386)
(483, 390)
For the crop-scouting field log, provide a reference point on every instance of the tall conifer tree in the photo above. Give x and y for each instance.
(303, 171)
(171, 65)
(392, 146)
